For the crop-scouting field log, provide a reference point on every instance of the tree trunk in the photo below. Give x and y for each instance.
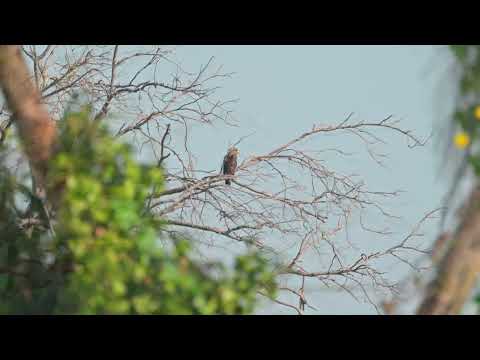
(457, 272)
(36, 129)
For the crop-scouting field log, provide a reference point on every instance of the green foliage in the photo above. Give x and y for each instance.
(105, 256)
(467, 111)
(460, 51)
(468, 58)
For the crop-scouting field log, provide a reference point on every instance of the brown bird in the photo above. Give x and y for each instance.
(230, 163)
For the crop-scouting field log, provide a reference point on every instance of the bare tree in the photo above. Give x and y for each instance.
(288, 202)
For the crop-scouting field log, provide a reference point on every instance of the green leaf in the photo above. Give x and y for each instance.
(460, 51)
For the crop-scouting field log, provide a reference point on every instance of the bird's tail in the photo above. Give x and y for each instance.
(228, 182)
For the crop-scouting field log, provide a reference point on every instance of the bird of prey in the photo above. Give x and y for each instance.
(230, 163)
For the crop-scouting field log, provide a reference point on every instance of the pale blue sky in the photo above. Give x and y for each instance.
(283, 90)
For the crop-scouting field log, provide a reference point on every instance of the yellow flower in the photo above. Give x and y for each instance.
(476, 112)
(462, 140)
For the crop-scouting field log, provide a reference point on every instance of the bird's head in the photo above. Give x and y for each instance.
(234, 151)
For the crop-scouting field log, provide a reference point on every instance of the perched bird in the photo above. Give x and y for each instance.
(230, 163)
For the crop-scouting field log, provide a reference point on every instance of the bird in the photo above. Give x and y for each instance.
(230, 163)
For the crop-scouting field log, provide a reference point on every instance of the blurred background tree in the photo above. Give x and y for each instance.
(458, 246)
